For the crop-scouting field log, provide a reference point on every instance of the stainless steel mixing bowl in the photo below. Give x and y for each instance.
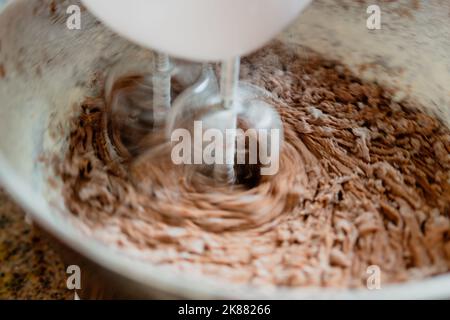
(46, 70)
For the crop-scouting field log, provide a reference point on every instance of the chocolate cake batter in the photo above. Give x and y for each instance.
(363, 181)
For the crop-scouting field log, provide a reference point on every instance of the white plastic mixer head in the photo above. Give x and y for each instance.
(202, 30)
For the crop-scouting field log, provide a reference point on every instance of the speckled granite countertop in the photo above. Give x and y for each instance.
(29, 267)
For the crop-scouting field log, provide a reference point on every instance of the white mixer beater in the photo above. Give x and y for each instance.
(207, 31)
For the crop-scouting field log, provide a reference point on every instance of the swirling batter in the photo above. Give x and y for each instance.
(363, 180)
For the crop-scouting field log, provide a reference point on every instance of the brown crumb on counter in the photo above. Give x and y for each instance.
(2, 71)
